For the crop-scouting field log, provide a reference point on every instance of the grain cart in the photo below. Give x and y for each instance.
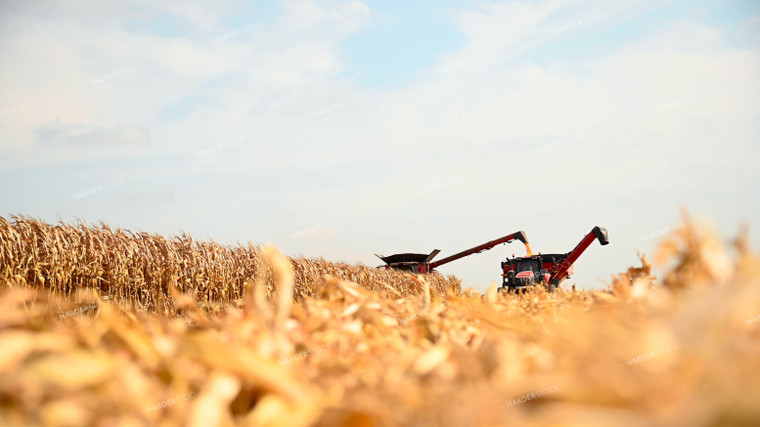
(422, 263)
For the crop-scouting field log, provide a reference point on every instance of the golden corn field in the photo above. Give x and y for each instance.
(139, 269)
(109, 327)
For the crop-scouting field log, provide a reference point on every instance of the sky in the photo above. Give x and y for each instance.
(342, 129)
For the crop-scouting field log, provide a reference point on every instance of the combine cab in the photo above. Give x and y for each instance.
(547, 269)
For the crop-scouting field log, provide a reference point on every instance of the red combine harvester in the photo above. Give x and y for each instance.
(545, 269)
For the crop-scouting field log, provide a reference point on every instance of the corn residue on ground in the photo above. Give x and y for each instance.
(106, 327)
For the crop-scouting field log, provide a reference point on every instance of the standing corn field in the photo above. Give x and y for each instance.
(140, 268)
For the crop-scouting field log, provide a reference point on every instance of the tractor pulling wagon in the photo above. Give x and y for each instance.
(518, 272)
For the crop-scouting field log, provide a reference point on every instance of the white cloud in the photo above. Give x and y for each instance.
(178, 89)
(550, 146)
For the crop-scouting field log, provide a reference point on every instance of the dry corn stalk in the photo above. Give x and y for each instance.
(357, 346)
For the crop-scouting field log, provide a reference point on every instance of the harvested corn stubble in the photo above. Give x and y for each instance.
(110, 327)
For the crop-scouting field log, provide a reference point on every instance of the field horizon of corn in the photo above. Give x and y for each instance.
(113, 328)
(142, 269)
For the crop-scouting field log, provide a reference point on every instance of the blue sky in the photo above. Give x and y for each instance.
(347, 128)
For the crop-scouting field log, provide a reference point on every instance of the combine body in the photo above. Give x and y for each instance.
(547, 269)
